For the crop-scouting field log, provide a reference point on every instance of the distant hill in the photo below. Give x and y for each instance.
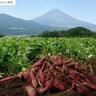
(58, 18)
(15, 26)
(53, 20)
(73, 32)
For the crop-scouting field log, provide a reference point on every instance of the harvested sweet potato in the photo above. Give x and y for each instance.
(55, 73)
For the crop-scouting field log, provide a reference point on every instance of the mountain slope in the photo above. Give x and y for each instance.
(10, 25)
(56, 17)
(53, 20)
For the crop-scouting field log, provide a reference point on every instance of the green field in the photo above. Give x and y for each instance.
(18, 53)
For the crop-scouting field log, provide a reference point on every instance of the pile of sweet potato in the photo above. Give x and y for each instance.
(56, 74)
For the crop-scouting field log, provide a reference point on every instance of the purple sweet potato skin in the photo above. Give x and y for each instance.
(55, 73)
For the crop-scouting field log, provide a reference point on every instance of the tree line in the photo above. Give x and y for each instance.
(74, 32)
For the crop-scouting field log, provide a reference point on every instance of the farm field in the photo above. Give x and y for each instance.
(19, 53)
(58, 66)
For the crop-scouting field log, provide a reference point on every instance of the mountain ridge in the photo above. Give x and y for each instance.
(56, 17)
(50, 21)
(10, 25)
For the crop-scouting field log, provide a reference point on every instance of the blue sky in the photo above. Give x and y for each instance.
(28, 9)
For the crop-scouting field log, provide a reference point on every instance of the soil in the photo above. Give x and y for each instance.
(13, 87)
